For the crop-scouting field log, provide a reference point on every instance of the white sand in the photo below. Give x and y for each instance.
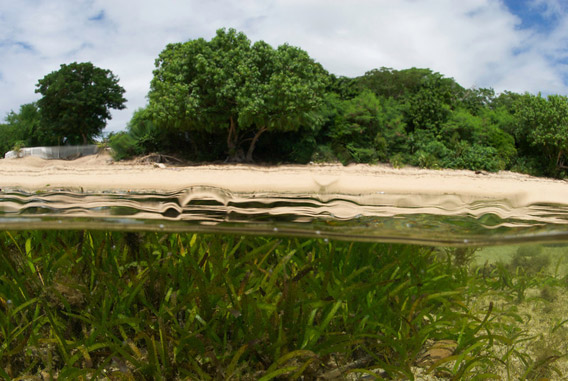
(100, 173)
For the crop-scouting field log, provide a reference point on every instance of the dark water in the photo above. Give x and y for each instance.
(423, 219)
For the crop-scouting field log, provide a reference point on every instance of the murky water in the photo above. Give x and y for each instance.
(420, 219)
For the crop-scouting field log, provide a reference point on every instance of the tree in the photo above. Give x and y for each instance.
(368, 129)
(229, 85)
(141, 137)
(475, 100)
(8, 138)
(76, 101)
(476, 142)
(544, 123)
(401, 84)
(22, 129)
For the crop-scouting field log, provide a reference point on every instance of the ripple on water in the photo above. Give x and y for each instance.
(380, 216)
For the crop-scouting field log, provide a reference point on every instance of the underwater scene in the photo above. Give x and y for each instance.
(206, 284)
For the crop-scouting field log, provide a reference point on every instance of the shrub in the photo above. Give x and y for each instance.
(123, 146)
(324, 154)
(398, 160)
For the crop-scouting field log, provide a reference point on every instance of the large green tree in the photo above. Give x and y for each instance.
(368, 128)
(228, 84)
(544, 123)
(76, 101)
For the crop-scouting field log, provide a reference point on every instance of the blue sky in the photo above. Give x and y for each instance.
(515, 45)
(540, 16)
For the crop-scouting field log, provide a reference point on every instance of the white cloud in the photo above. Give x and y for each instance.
(477, 42)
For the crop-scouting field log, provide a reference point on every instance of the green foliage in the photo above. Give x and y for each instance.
(465, 141)
(427, 109)
(228, 98)
(123, 145)
(476, 100)
(287, 147)
(445, 125)
(401, 84)
(429, 151)
(367, 129)
(142, 137)
(243, 90)
(344, 87)
(22, 129)
(170, 306)
(398, 160)
(428, 97)
(76, 102)
(324, 154)
(175, 305)
(8, 138)
(543, 122)
(476, 157)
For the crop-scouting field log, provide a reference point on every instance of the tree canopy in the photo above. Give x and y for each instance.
(22, 129)
(544, 123)
(243, 89)
(76, 101)
(228, 98)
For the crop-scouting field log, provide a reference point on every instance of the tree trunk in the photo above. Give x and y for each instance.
(559, 159)
(230, 137)
(236, 154)
(253, 144)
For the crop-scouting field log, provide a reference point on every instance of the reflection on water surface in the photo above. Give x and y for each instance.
(424, 219)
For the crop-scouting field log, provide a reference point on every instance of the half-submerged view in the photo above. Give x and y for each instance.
(263, 219)
(130, 269)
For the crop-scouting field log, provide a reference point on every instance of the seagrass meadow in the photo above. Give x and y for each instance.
(119, 305)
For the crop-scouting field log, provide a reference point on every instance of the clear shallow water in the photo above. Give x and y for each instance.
(423, 219)
(529, 282)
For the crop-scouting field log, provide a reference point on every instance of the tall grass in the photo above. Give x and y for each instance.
(92, 304)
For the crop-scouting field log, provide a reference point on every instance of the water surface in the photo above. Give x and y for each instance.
(382, 217)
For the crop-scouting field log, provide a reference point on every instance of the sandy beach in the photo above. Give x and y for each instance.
(100, 173)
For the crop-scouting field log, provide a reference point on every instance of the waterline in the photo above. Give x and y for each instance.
(429, 219)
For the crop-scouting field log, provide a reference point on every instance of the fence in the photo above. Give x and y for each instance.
(60, 152)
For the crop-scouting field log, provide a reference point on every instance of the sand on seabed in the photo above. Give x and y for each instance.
(98, 173)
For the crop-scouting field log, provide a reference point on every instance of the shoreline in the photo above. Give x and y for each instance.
(99, 173)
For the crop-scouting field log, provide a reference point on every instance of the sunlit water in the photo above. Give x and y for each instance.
(417, 219)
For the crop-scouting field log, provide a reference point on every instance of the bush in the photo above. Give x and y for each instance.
(426, 160)
(367, 129)
(362, 154)
(291, 147)
(324, 154)
(123, 146)
(398, 160)
(475, 157)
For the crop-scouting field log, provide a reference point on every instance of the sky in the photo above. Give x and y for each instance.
(514, 45)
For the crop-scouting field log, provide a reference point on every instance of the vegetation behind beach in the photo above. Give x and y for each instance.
(228, 99)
